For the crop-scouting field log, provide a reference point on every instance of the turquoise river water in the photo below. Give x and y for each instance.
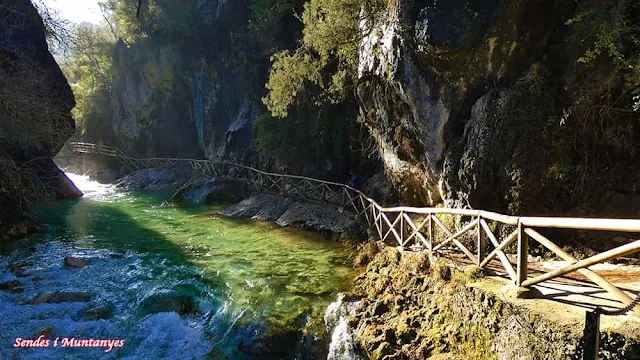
(242, 275)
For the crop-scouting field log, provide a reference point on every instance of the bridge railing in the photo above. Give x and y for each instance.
(427, 228)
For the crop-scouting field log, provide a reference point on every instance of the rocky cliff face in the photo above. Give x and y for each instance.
(481, 104)
(192, 85)
(35, 119)
(181, 95)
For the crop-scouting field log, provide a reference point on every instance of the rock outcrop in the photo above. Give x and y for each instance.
(35, 119)
(484, 104)
(285, 211)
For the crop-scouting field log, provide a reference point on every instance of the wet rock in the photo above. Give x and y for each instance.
(60, 296)
(167, 301)
(107, 176)
(18, 270)
(45, 331)
(319, 218)
(156, 179)
(99, 312)
(221, 189)
(20, 300)
(254, 204)
(71, 261)
(10, 285)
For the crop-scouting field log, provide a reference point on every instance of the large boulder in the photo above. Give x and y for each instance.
(35, 120)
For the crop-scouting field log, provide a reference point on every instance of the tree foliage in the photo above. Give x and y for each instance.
(88, 68)
(329, 53)
(612, 32)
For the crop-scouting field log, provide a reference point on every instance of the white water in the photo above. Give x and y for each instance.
(335, 319)
(92, 189)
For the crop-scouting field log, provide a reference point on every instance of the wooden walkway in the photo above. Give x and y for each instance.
(482, 237)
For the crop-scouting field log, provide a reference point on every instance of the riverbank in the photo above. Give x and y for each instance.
(411, 308)
(332, 221)
(127, 264)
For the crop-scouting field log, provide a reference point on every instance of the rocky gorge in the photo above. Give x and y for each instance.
(517, 107)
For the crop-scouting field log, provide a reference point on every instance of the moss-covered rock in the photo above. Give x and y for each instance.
(414, 310)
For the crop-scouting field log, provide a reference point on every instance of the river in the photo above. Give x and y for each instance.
(241, 276)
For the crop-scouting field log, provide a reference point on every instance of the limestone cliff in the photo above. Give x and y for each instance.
(484, 104)
(35, 118)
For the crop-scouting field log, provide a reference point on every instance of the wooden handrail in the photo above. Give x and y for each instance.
(403, 228)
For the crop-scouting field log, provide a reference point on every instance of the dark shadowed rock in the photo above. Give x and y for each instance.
(220, 189)
(71, 261)
(36, 103)
(96, 313)
(10, 285)
(60, 297)
(167, 301)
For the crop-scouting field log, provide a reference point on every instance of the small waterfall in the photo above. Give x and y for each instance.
(335, 319)
(92, 189)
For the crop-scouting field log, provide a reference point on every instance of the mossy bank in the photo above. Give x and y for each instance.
(411, 308)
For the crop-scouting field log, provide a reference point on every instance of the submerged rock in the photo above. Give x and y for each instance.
(71, 261)
(168, 301)
(10, 285)
(99, 312)
(61, 296)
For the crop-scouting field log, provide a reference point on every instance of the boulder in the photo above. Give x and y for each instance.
(71, 261)
(98, 312)
(221, 189)
(60, 297)
(10, 285)
(167, 301)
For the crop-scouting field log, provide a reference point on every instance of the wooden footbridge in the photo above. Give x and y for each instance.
(485, 238)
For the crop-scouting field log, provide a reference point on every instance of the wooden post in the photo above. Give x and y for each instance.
(523, 252)
(482, 243)
(591, 336)
(430, 232)
(401, 228)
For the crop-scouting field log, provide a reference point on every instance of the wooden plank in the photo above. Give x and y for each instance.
(393, 230)
(392, 227)
(626, 225)
(596, 259)
(481, 246)
(523, 253)
(416, 230)
(612, 289)
(452, 237)
(430, 232)
(498, 250)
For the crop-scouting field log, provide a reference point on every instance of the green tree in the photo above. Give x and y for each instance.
(327, 57)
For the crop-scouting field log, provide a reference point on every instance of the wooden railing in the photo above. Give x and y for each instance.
(426, 228)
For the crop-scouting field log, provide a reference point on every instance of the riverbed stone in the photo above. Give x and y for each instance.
(18, 270)
(168, 301)
(45, 331)
(98, 312)
(61, 296)
(72, 261)
(10, 285)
